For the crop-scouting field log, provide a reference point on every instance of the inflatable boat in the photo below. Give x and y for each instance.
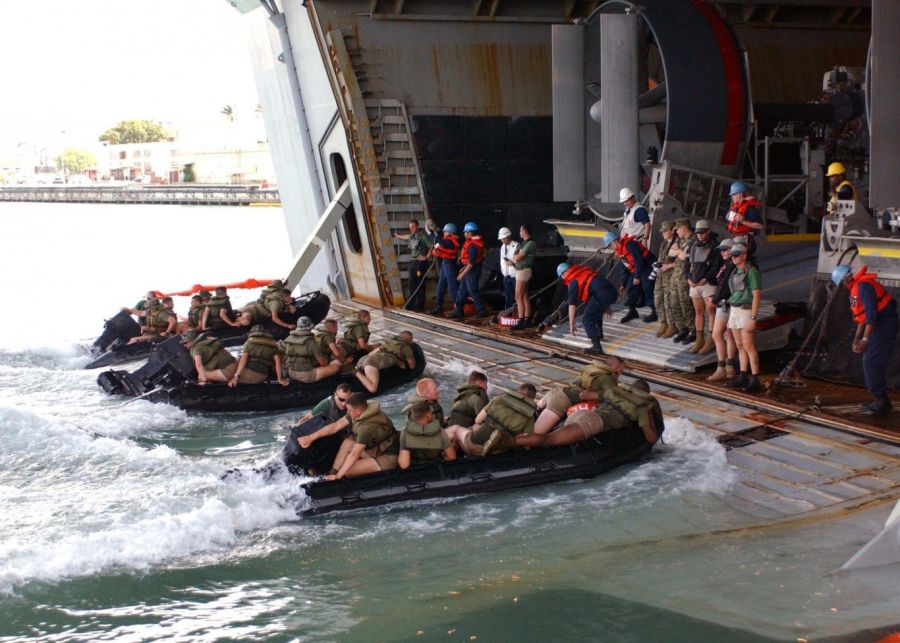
(112, 346)
(169, 377)
(464, 476)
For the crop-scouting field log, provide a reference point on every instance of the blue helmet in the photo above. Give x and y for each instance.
(449, 227)
(839, 274)
(608, 238)
(738, 187)
(561, 269)
(471, 226)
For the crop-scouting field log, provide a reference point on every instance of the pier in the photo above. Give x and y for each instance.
(159, 194)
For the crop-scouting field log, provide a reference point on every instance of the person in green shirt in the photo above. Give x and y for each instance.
(524, 262)
(140, 308)
(334, 406)
(420, 245)
(746, 287)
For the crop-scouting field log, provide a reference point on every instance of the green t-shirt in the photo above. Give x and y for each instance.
(751, 281)
(322, 407)
(419, 244)
(529, 248)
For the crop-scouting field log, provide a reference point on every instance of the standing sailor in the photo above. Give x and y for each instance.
(637, 264)
(636, 222)
(508, 249)
(841, 188)
(446, 252)
(744, 218)
(419, 247)
(471, 257)
(584, 285)
(875, 312)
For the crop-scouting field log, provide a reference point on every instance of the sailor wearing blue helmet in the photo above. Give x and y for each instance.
(471, 258)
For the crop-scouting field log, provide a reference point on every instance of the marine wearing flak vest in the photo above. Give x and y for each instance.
(326, 336)
(396, 351)
(303, 357)
(373, 443)
(499, 421)
(470, 398)
(260, 360)
(218, 311)
(268, 307)
(423, 439)
(590, 384)
(356, 334)
(161, 320)
(212, 361)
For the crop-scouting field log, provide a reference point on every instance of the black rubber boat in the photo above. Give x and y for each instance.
(460, 477)
(169, 377)
(112, 346)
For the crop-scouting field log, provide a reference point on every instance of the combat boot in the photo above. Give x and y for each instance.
(879, 406)
(671, 331)
(595, 349)
(663, 328)
(708, 346)
(720, 373)
(627, 317)
(698, 343)
(752, 385)
(730, 369)
(690, 338)
(652, 317)
(680, 335)
(740, 381)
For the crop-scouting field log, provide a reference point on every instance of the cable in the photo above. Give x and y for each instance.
(422, 280)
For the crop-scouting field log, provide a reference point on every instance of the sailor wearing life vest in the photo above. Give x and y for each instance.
(875, 312)
(446, 251)
(636, 222)
(744, 218)
(637, 264)
(585, 286)
(841, 188)
(471, 257)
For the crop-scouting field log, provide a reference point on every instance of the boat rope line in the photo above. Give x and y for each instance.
(422, 281)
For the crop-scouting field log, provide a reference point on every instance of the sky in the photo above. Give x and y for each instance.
(73, 68)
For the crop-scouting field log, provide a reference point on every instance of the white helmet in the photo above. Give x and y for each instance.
(625, 194)
(504, 232)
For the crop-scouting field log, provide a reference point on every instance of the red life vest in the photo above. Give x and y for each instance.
(882, 296)
(737, 227)
(583, 276)
(447, 253)
(622, 252)
(476, 241)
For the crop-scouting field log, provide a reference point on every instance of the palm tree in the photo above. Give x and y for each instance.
(228, 111)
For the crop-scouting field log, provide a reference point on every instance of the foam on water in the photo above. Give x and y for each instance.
(96, 503)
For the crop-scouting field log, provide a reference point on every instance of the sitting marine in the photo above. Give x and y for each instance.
(373, 443)
(260, 360)
(422, 439)
(274, 303)
(396, 351)
(503, 418)
(161, 320)
(334, 406)
(625, 406)
(304, 359)
(212, 361)
(356, 334)
(427, 391)
(218, 312)
(140, 308)
(326, 336)
(195, 313)
(589, 385)
(470, 398)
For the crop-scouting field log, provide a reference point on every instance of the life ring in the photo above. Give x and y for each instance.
(588, 405)
(512, 322)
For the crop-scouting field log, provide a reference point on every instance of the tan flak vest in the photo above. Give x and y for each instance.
(261, 349)
(469, 400)
(299, 351)
(383, 431)
(633, 407)
(512, 413)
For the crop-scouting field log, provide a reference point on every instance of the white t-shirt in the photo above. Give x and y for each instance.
(508, 251)
(629, 225)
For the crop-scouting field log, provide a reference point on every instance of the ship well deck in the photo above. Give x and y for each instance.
(791, 463)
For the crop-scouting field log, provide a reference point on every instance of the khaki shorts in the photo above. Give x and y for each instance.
(524, 274)
(307, 377)
(252, 377)
(225, 373)
(588, 421)
(386, 462)
(722, 313)
(702, 292)
(470, 447)
(558, 400)
(738, 318)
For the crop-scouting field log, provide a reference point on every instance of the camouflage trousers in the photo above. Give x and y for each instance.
(680, 309)
(661, 296)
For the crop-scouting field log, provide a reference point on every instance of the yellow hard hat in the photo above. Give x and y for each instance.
(835, 169)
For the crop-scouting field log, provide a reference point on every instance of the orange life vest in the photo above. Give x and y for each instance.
(476, 241)
(737, 227)
(583, 276)
(447, 253)
(882, 296)
(622, 252)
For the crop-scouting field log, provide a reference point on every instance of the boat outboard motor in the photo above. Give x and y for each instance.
(119, 326)
(170, 363)
(318, 458)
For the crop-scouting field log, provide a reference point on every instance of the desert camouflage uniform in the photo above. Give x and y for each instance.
(681, 308)
(664, 284)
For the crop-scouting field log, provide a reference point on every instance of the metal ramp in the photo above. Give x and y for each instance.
(637, 340)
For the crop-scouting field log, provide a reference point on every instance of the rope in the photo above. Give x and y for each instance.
(422, 280)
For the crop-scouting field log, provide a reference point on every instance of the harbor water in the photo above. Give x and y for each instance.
(115, 522)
